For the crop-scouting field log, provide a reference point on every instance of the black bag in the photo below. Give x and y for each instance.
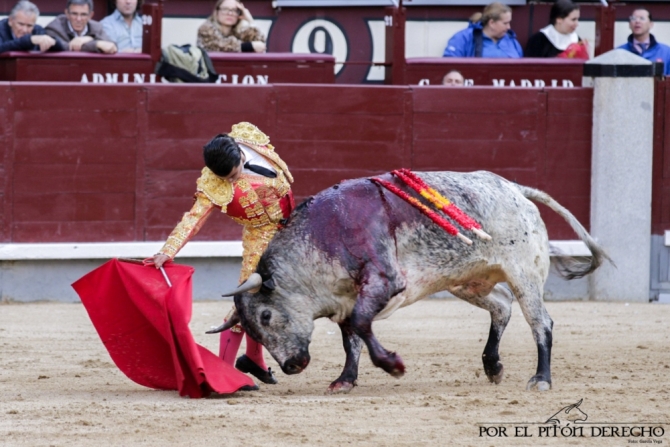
(186, 63)
(479, 41)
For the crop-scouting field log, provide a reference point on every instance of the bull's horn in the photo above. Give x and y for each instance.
(254, 282)
(232, 321)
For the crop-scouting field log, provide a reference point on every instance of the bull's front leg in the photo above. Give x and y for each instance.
(374, 294)
(352, 347)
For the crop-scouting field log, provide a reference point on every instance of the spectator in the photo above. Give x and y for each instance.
(474, 18)
(453, 79)
(643, 43)
(229, 29)
(77, 31)
(19, 32)
(559, 38)
(124, 26)
(490, 37)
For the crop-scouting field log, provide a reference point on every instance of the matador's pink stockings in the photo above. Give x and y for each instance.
(230, 343)
(255, 353)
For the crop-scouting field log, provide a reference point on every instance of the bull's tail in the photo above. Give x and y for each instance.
(570, 267)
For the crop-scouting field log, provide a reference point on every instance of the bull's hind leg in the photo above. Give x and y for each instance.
(352, 346)
(499, 304)
(528, 292)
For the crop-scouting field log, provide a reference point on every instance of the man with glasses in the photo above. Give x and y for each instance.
(78, 32)
(643, 43)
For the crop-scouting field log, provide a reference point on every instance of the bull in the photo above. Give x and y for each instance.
(356, 252)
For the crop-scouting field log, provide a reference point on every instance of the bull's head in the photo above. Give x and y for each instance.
(280, 321)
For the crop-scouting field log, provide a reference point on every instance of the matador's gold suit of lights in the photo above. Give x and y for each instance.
(257, 203)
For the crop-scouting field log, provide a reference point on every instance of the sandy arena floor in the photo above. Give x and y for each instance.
(59, 387)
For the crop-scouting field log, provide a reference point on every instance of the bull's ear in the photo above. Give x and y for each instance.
(269, 284)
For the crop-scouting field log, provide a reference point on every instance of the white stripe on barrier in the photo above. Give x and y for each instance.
(25, 252)
(226, 249)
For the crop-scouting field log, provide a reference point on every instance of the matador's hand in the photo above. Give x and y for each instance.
(159, 259)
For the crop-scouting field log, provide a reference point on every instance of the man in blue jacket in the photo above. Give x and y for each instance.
(489, 36)
(643, 43)
(19, 32)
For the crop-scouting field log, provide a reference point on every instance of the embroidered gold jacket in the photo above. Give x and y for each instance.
(257, 203)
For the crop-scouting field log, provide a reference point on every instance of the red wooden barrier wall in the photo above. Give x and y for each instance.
(6, 161)
(661, 168)
(540, 138)
(119, 162)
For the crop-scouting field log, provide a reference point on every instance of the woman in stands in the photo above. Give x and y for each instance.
(488, 35)
(559, 38)
(229, 29)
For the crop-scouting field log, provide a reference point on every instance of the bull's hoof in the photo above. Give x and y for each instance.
(538, 383)
(398, 367)
(392, 364)
(341, 387)
(496, 378)
(398, 371)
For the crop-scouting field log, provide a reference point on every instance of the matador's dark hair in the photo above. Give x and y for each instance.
(222, 154)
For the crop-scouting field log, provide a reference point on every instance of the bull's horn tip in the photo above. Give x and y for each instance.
(253, 282)
(216, 330)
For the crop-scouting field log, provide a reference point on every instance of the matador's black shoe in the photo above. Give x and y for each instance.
(246, 365)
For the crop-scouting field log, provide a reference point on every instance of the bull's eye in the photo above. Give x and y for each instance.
(265, 317)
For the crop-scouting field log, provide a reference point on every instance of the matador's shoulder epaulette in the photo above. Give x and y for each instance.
(219, 191)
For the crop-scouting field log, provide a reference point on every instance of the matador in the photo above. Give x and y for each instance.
(245, 179)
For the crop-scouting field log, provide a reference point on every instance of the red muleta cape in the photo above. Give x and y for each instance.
(143, 323)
